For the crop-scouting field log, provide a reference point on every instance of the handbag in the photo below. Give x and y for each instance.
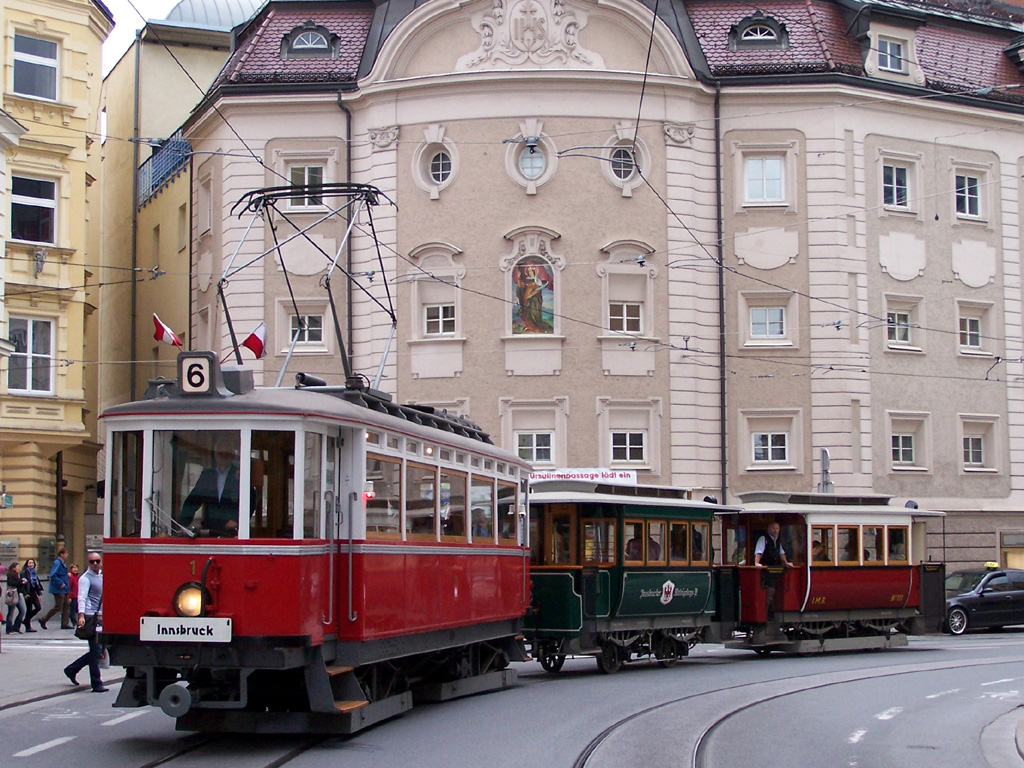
(11, 597)
(88, 629)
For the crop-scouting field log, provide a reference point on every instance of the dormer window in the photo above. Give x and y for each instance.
(758, 32)
(890, 55)
(309, 41)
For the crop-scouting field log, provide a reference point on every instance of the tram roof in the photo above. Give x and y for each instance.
(866, 505)
(590, 492)
(329, 404)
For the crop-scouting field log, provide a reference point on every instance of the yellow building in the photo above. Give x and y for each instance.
(51, 86)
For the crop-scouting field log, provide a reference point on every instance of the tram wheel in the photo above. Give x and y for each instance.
(667, 653)
(762, 651)
(550, 659)
(610, 659)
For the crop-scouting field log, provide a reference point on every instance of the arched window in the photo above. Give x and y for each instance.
(533, 284)
(758, 32)
(309, 41)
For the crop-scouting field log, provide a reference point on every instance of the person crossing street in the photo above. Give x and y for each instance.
(90, 614)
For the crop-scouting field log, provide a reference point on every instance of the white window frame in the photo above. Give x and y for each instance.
(631, 441)
(531, 134)
(40, 203)
(890, 60)
(894, 187)
(529, 452)
(972, 313)
(764, 196)
(630, 418)
(284, 317)
(549, 416)
(625, 138)
(915, 425)
(984, 428)
(786, 423)
(619, 314)
(304, 339)
(902, 317)
(31, 355)
(39, 61)
(423, 170)
(751, 302)
(308, 170)
(902, 449)
(442, 321)
(768, 322)
(965, 197)
(770, 442)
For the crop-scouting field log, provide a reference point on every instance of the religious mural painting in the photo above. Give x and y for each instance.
(534, 285)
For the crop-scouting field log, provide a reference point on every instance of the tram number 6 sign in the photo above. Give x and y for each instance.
(195, 373)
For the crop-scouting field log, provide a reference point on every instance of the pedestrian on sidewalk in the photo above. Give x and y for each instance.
(59, 588)
(73, 594)
(35, 589)
(20, 585)
(90, 618)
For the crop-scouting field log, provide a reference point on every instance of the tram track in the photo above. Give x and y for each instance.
(696, 739)
(199, 741)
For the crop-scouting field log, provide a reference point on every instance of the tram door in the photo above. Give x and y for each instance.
(560, 535)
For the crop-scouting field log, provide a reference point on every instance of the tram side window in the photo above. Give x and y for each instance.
(383, 496)
(272, 480)
(453, 506)
(700, 543)
(656, 551)
(735, 544)
(898, 544)
(507, 518)
(599, 542)
(848, 540)
(312, 473)
(481, 501)
(822, 545)
(125, 485)
(679, 536)
(420, 502)
(874, 544)
(195, 483)
(634, 535)
(560, 547)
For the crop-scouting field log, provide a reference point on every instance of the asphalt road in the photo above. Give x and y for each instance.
(942, 702)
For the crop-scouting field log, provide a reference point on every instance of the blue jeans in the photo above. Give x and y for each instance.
(12, 624)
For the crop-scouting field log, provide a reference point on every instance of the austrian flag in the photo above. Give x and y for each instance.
(164, 333)
(257, 341)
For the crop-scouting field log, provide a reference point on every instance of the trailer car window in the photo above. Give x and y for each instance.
(680, 543)
(634, 536)
(874, 544)
(656, 551)
(383, 497)
(848, 540)
(599, 542)
(700, 543)
(822, 545)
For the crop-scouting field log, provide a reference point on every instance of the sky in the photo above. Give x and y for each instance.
(127, 21)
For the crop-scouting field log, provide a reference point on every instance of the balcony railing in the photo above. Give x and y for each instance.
(161, 167)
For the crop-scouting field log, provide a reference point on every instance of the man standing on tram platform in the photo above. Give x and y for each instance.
(769, 552)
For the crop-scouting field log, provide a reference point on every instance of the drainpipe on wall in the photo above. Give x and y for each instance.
(60, 493)
(722, 421)
(133, 331)
(350, 329)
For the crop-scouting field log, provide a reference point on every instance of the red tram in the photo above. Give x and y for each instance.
(381, 556)
(858, 577)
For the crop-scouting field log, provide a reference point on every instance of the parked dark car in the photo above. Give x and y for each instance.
(984, 598)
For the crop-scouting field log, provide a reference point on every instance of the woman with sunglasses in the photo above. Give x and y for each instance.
(90, 610)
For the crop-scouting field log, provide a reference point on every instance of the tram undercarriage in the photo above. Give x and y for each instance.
(293, 690)
(802, 633)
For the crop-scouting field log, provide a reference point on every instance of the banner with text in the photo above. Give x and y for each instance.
(590, 474)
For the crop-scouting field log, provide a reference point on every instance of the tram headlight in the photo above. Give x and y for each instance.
(191, 599)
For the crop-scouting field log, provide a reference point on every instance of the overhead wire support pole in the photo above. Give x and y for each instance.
(227, 317)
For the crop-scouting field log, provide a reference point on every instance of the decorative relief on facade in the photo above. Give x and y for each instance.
(766, 248)
(901, 255)
(382, 138)
(974, 263)
(301, 258)
(680, 133)
(537, 32)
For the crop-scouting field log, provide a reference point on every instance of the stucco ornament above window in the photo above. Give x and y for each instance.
(537, 32)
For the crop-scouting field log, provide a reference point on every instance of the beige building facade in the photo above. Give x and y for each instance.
(47, 438)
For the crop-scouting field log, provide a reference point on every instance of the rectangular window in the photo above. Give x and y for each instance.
(420, 502)
(383, 496)
(968, 195)
(629, 447)
(767, 322)
(974, 455)
(903, 449)
(311, 177)
(849, 545)
(771, 447)
(481, 496)
(599, 542)
(453, 506)
(125, 488)
(33, 210)
(634, 549)
(890, 55)
(700, 543)
(764, 180)
(507, 513)
(30, 367)
(970, 332)
(898, 326)
(895, 190)
(311, 482)
(534, 447)
(624, 317)
(822, 545)
(439, 319)
(679, 540)
(897, 544)
(35, 67)
(656, 552)
(307, 329)
(874, 544)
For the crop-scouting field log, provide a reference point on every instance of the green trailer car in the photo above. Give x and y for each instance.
(619, 572)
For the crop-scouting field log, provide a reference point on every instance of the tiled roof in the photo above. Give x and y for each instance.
(816, 38)
(258, 57)
(956, 59)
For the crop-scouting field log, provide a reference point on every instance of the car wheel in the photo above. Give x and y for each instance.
(956, 621)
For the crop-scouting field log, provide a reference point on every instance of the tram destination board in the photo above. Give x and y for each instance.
(194, 630)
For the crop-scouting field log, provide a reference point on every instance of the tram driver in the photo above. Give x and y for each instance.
(216, 491)
(767, 552)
